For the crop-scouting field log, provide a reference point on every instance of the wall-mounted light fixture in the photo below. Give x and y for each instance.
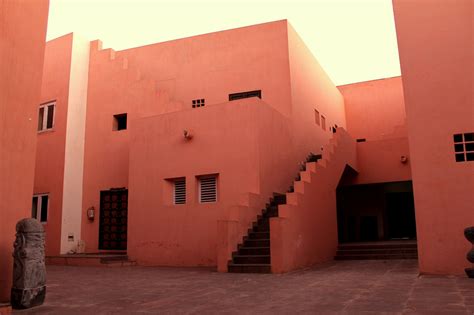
(404, 159)
(91, 213)
(187, 135)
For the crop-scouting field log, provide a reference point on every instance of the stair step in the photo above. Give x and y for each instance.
(249, 268)
(261, 228)
(313, 157)
(376, 257)
(377, 251)
(259, 235)
(376, 246)
(263, 224)
(251, 259)
(278, 199)
(269, 213)
(113, 259)
(257, 243)
(120, 263)
(253, 250)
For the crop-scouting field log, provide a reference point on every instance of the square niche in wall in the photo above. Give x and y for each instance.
(120, 122)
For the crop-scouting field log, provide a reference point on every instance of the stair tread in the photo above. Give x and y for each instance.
(258, 239)
(249, 265)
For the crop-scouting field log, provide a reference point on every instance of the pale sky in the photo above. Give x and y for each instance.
(353, 40)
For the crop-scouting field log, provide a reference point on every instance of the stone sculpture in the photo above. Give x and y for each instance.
(29, 271)
(469, 234)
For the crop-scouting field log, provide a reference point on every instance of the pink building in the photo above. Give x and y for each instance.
(234, 149)
(22, 43)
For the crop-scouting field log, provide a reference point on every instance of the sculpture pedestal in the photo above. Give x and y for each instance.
(469, 235)
(26, 298)
(29, 270)
(469, 272)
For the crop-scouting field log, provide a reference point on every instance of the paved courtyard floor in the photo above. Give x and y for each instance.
(346, 287)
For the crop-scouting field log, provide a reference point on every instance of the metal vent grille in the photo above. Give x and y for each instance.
(180, 191)
(208, 189)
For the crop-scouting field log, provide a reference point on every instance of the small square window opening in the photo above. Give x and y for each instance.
(120, 122)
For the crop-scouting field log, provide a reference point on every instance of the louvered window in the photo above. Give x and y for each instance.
(180, 191)
(208, 189)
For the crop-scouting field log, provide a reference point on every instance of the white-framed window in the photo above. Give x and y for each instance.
(46, 116)
(39, 208)
(207, 188)
(179, 191)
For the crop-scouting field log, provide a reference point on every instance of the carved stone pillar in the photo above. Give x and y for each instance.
(29, 271)
(469, 234)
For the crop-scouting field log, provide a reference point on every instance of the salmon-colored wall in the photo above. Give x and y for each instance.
(254, 149)
(375, 111)
(374, 108)
(380, 161)
(114, 87)
(22, 38)
(49, 168)
(212, 66)
(435, 46)
(311, 89)
(305, 231)
(225, 143)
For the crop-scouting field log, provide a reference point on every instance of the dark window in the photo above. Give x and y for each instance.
(39, 208)
(464, 147)
(44, 209)
(240, 95)
(460, 157)
(49, 122)
(46, 116)
(458, 137)
(360, 140)
(458, 147)
(40, 118)
(120, 122)
(199, 102)
(34, 207)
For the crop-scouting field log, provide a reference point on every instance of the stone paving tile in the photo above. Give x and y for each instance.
(346, 287)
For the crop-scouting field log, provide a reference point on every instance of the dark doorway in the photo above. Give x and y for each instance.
(400, 215)
(375, 212)
(368, 228)
(113, 219)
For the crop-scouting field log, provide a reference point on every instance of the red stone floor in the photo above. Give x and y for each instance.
(346, 287)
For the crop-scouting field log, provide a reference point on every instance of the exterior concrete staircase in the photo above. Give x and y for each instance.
(253, 254)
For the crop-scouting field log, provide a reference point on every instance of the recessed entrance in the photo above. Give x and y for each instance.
(376, 212)
(113, 219)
